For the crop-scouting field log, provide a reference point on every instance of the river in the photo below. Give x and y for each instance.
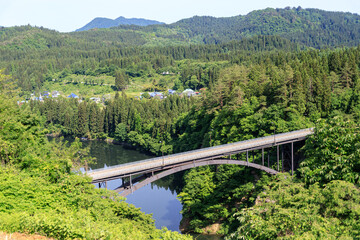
(158, 198)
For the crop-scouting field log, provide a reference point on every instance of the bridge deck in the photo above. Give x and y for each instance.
(204, 153)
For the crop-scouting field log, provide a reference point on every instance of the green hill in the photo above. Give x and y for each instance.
(310, 27)
(108, 23)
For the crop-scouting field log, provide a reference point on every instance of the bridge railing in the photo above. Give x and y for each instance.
(215, 150)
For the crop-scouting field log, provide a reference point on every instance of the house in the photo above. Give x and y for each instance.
(21, 102)
(55, 94)
(171, 92)
(157, 95)
(95, 99)
(46, 94)
(105, 97)
(72, 95)
(39, 98)
(189, 92)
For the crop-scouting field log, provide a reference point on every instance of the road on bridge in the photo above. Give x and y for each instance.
(166, 162)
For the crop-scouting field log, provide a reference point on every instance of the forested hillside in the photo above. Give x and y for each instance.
(273, 70)
(42, 190)
(272, 91)
(311, 27)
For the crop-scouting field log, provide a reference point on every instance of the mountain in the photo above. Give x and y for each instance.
(311, 27)
(306, 27)
(108, 23)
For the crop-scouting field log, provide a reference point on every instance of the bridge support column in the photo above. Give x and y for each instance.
(292, 158)
(104, 184)
(277, 156)
(247, 157)
(282, 158)
(131, 183)
(262, 156)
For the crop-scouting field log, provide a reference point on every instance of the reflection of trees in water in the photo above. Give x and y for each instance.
(111, 154)
(107, 153)
(173, 182)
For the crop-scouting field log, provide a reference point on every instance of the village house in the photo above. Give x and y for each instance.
(95, 99)
(157, 95)
(55, 94)
(73, 95)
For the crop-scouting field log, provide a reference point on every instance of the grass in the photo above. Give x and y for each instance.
(90, 86)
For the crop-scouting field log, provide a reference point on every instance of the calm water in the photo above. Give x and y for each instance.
(158, 198)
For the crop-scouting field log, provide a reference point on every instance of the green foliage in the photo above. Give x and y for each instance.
(332, 153)
(121, 80)
(255, 86)
(286, 209)
(210, 196)
(43, 192)
(121, 132)
(70, 209)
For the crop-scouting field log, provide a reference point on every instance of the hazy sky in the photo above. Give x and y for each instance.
(68, 15)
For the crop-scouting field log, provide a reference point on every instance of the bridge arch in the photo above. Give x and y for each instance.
(126, 191)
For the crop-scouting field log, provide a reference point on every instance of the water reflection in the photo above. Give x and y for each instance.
(158, 198)
(160, 202)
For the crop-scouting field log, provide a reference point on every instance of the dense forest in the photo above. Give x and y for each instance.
(287, 70)
(310, 27)
(42, 190)
(282, 91)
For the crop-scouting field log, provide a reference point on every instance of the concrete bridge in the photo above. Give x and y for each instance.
(150, 170)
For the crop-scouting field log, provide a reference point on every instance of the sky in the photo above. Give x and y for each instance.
(69, 15)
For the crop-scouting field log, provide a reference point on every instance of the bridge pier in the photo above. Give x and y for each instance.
(158, 167)
(104, 184)
(247, 157)
(277, 156)
(282, 158)
(292, 158)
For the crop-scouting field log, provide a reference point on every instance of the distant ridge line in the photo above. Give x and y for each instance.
(108, 23)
